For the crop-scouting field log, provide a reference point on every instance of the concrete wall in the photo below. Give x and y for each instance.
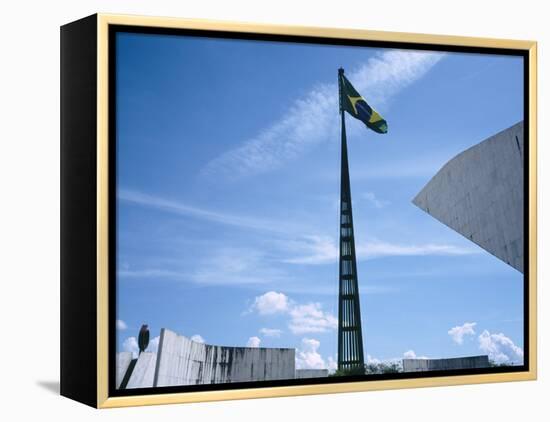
(143, 373)
(123, 360)
(182, 361)
(421, 365)
(311, 373)
(479, 194)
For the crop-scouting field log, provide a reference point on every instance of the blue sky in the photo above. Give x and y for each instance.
(228, 186)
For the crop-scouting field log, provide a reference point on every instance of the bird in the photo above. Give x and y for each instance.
(143, 338)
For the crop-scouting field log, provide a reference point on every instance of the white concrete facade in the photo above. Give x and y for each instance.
(123, 360)
(311, 373)
(182, 361)
(422, 365)
(143, 373)
(479, 194)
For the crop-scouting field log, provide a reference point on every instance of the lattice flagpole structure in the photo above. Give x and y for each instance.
(350, 337)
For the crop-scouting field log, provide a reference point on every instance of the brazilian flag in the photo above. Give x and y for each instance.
(355, 104)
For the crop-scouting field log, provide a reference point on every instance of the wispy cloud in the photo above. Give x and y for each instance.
(233, 264)
(236, 266)
(313, 118)
(378, 249)
(152, 273)
(271, 332)
(223, 266)
(373, 200)
(313, 250)
(423, 167)
(317, 250)
(186, 210)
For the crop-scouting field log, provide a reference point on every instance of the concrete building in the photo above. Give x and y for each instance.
(123, 360)
(311, 373)
(422, 365)
(479, 194)
(182, 361)
(143, 372)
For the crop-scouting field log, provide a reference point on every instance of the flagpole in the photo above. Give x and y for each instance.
(350, 336)
(341, 365)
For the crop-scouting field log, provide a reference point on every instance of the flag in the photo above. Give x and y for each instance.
(355, 104)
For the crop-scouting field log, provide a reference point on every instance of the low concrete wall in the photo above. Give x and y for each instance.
(143, 373)
(182, 361)
(422, 365)
(123, 360)
(311, 373)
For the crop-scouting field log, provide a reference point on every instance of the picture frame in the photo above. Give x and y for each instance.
(89, 248)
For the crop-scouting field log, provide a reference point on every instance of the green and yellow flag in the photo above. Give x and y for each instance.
(355, 104)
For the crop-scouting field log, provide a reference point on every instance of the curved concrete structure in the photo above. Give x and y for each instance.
(479, 194)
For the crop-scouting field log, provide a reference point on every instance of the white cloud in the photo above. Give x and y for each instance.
(121, 325)
(373, 200)
(332, 364)
(271, 332)
(398, 168)
(223, 266)
(303, 318)
(236, 266)
(500, 348)
(152, 273)
(314, 250)
(378, 249)
(318, 250)
(131, 345)
(373, 361)
(197, 338)
(253, 342)
(153, 346)
(411, 354)
(459, 332)
(313, 119)
(181, 208)
(308, 357)
(310, 318)
(393, 362)
(271, 303)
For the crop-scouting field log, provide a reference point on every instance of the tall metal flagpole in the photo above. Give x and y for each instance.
(350, 337)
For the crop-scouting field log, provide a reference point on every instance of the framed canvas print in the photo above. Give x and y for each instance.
(260, 211)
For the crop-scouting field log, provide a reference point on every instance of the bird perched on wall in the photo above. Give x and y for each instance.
(143, 338)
